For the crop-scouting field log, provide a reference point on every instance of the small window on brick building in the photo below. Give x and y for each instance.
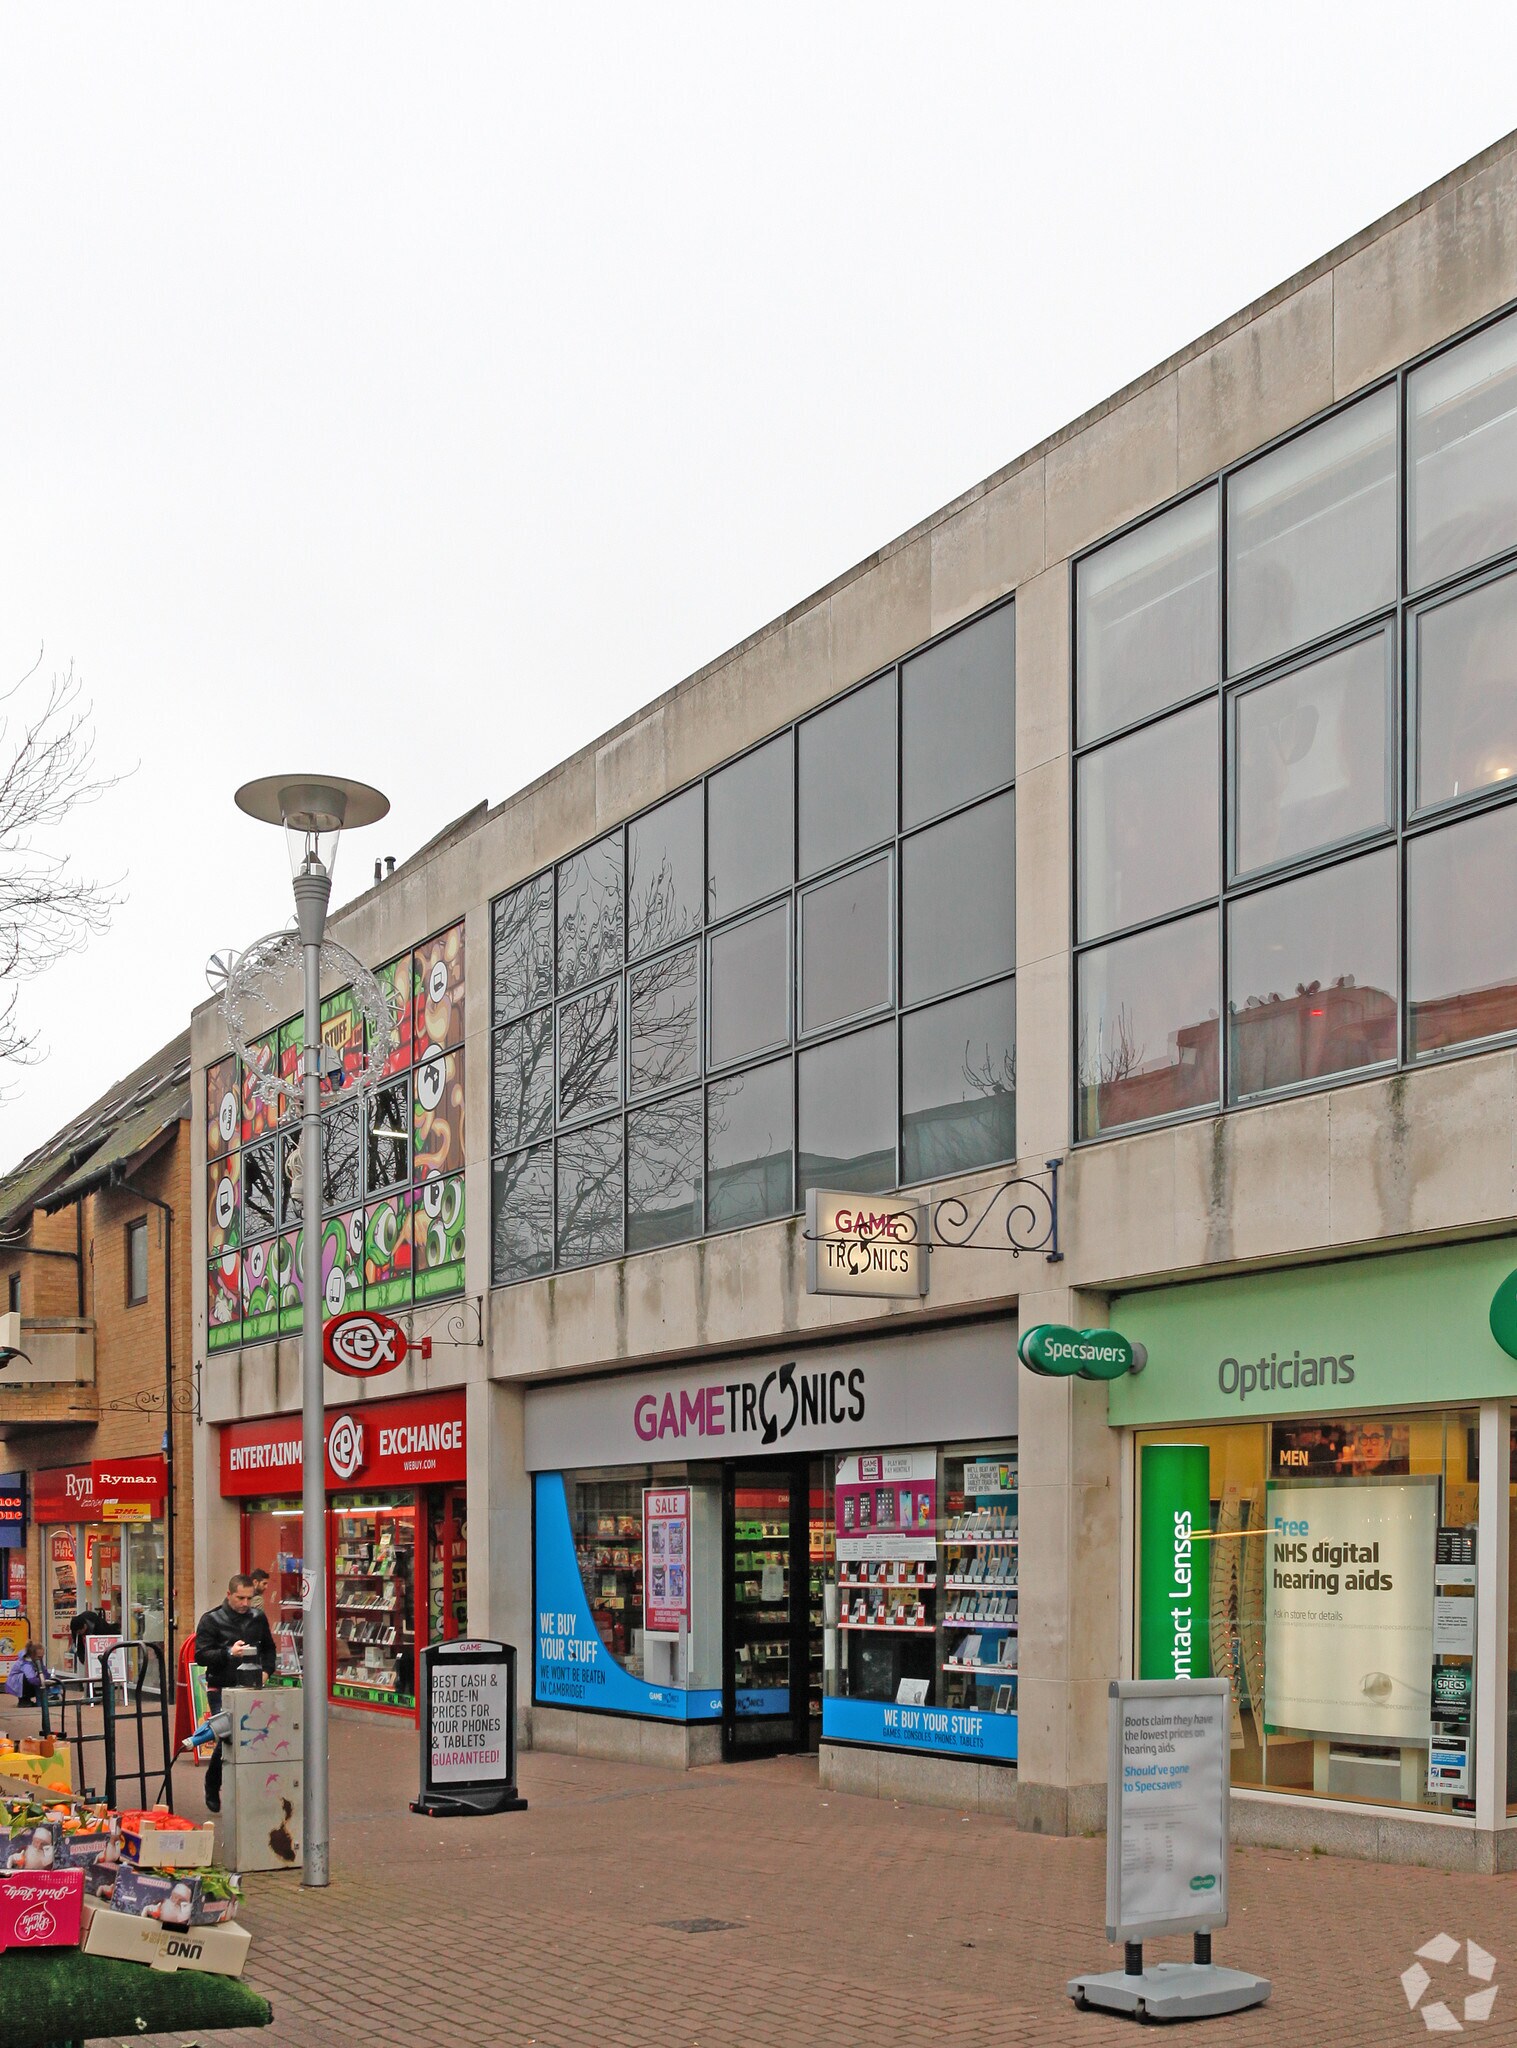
(13, 1294)
(136, 1262)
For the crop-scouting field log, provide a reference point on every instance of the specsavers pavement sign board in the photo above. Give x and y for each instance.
(865, 1245)
(1167, 1807)
(1328, 1339)
(925, 1387)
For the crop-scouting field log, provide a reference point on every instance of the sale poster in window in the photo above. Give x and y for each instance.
(666, 1559)
(1348, 1608)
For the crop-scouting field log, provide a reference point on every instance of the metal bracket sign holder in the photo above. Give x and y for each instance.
(468, 1730)
(1166, 1851)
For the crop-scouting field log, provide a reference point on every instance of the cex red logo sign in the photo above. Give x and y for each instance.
(363, 1344)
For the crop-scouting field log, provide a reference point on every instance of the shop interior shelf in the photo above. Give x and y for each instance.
(980, 1621)
(893, 1628)
(982, 1585)
(965, 1542)
(1008, 1671)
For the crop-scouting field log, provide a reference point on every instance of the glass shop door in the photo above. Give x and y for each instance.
(766, 1611)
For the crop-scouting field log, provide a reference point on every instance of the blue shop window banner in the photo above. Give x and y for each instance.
(571, 1665)
(948, 1731)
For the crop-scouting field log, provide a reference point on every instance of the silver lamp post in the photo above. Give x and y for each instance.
(313, 809)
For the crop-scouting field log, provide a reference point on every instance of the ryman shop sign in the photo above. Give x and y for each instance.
(931, 1386)
(1397, 1331)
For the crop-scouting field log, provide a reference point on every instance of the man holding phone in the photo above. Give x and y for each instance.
(236, 1646)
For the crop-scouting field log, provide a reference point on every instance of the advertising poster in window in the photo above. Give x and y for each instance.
(223, 1307)
(666, 1551)
(438, 993)
(438, 1224)
(887, 1505)
(1348, 1608)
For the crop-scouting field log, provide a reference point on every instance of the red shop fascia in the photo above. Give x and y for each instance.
(395, 1536)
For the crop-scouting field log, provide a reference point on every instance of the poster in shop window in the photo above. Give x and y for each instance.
(886, 1504)
(1348, 1608)
(666, 1557)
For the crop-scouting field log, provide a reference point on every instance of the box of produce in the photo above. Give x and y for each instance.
(40, 1908)
(177, 1898)
(156, 1838)
(219, 1951)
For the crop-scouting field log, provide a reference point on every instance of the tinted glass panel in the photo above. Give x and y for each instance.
(663, 1021)
(521, 1108)
(958, 916)
(1466, 693)
(290, 1178)
(523, 923)
(522, 1242)
(1148, 822)
(589, 1053)
(751, 828)
(590, 913)
(959, 1083)
(389, 1137)
(845, 947)
(1148, 1025)
(847, 777)
(1462, 456)
(848, 1112)
(748, 986)
(259, 1201)
(958, 718)
(749, 1140)
(1313, 756)
(342, 1156)
(590, 1194)
(1312, 976)
(1461, 933)
(664, 875)
(1146, 620)
(1311, 534)
(664, 1147)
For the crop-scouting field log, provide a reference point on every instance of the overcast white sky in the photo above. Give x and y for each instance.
(444, 382)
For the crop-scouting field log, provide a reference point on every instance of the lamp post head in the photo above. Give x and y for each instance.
(313, 809)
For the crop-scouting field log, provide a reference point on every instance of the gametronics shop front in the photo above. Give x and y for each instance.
(395, 1535)
(780, 1552)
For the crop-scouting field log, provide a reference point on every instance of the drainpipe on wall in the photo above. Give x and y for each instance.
(120, 1180)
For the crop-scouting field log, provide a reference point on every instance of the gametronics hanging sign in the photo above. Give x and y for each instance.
(859, 1244)
(417, 1441)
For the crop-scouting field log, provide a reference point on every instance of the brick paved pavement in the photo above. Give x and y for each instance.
(855, 1922)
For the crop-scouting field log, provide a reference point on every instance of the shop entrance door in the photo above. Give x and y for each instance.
(766, 1610)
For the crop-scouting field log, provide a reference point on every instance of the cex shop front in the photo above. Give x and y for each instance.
(395, 1536)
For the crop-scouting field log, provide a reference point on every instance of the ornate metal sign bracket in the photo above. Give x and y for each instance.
(465, 1322)
(1017, 1215)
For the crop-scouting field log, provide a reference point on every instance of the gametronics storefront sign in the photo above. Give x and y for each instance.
(417, 1440)
(1387, 1332)
(932, 1386)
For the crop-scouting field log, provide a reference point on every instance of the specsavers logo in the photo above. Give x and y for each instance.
(345, 1447)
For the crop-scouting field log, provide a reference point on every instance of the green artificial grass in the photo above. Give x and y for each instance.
(54, 1997)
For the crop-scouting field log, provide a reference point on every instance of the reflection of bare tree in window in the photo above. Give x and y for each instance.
(750, 1119)
(664, 876)
(341, 1181)
(523, 1232)
(590, 1194)
(522, 1095)
(589, 1052)
(664, 1151)
(1119, 1052)
(590, 913)
(663, 1021)
(524, 948)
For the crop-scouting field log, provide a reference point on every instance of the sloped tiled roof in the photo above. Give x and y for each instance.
(144, 1103)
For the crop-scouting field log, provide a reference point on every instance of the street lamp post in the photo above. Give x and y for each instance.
(313, 809)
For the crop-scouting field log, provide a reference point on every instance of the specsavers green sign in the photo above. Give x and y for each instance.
(1387, 1332)
(1174, 1587)
(1061, 1353)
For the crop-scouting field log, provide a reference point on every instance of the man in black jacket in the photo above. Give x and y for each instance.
(234, 1643)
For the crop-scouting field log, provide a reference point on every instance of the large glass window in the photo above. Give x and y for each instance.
(1341, 1676)
(1464, 693)
(1148, 1025)
(845, 946)
(847, 777)
(1311, 973)
(1146, 619)
(1461, 933)
(959, 900)
(1312, 756)
(1311, 534)
(649, 990)
(1461, 479)
(1368, 754)
(1148, 822)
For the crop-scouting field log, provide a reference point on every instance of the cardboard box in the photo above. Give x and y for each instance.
(156, 1848)
(218, 1951)
(175, 1898)
(40, 1908)
(55, 1772)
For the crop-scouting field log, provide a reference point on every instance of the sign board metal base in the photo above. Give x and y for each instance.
(458, 1805)
(1171, 1991)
